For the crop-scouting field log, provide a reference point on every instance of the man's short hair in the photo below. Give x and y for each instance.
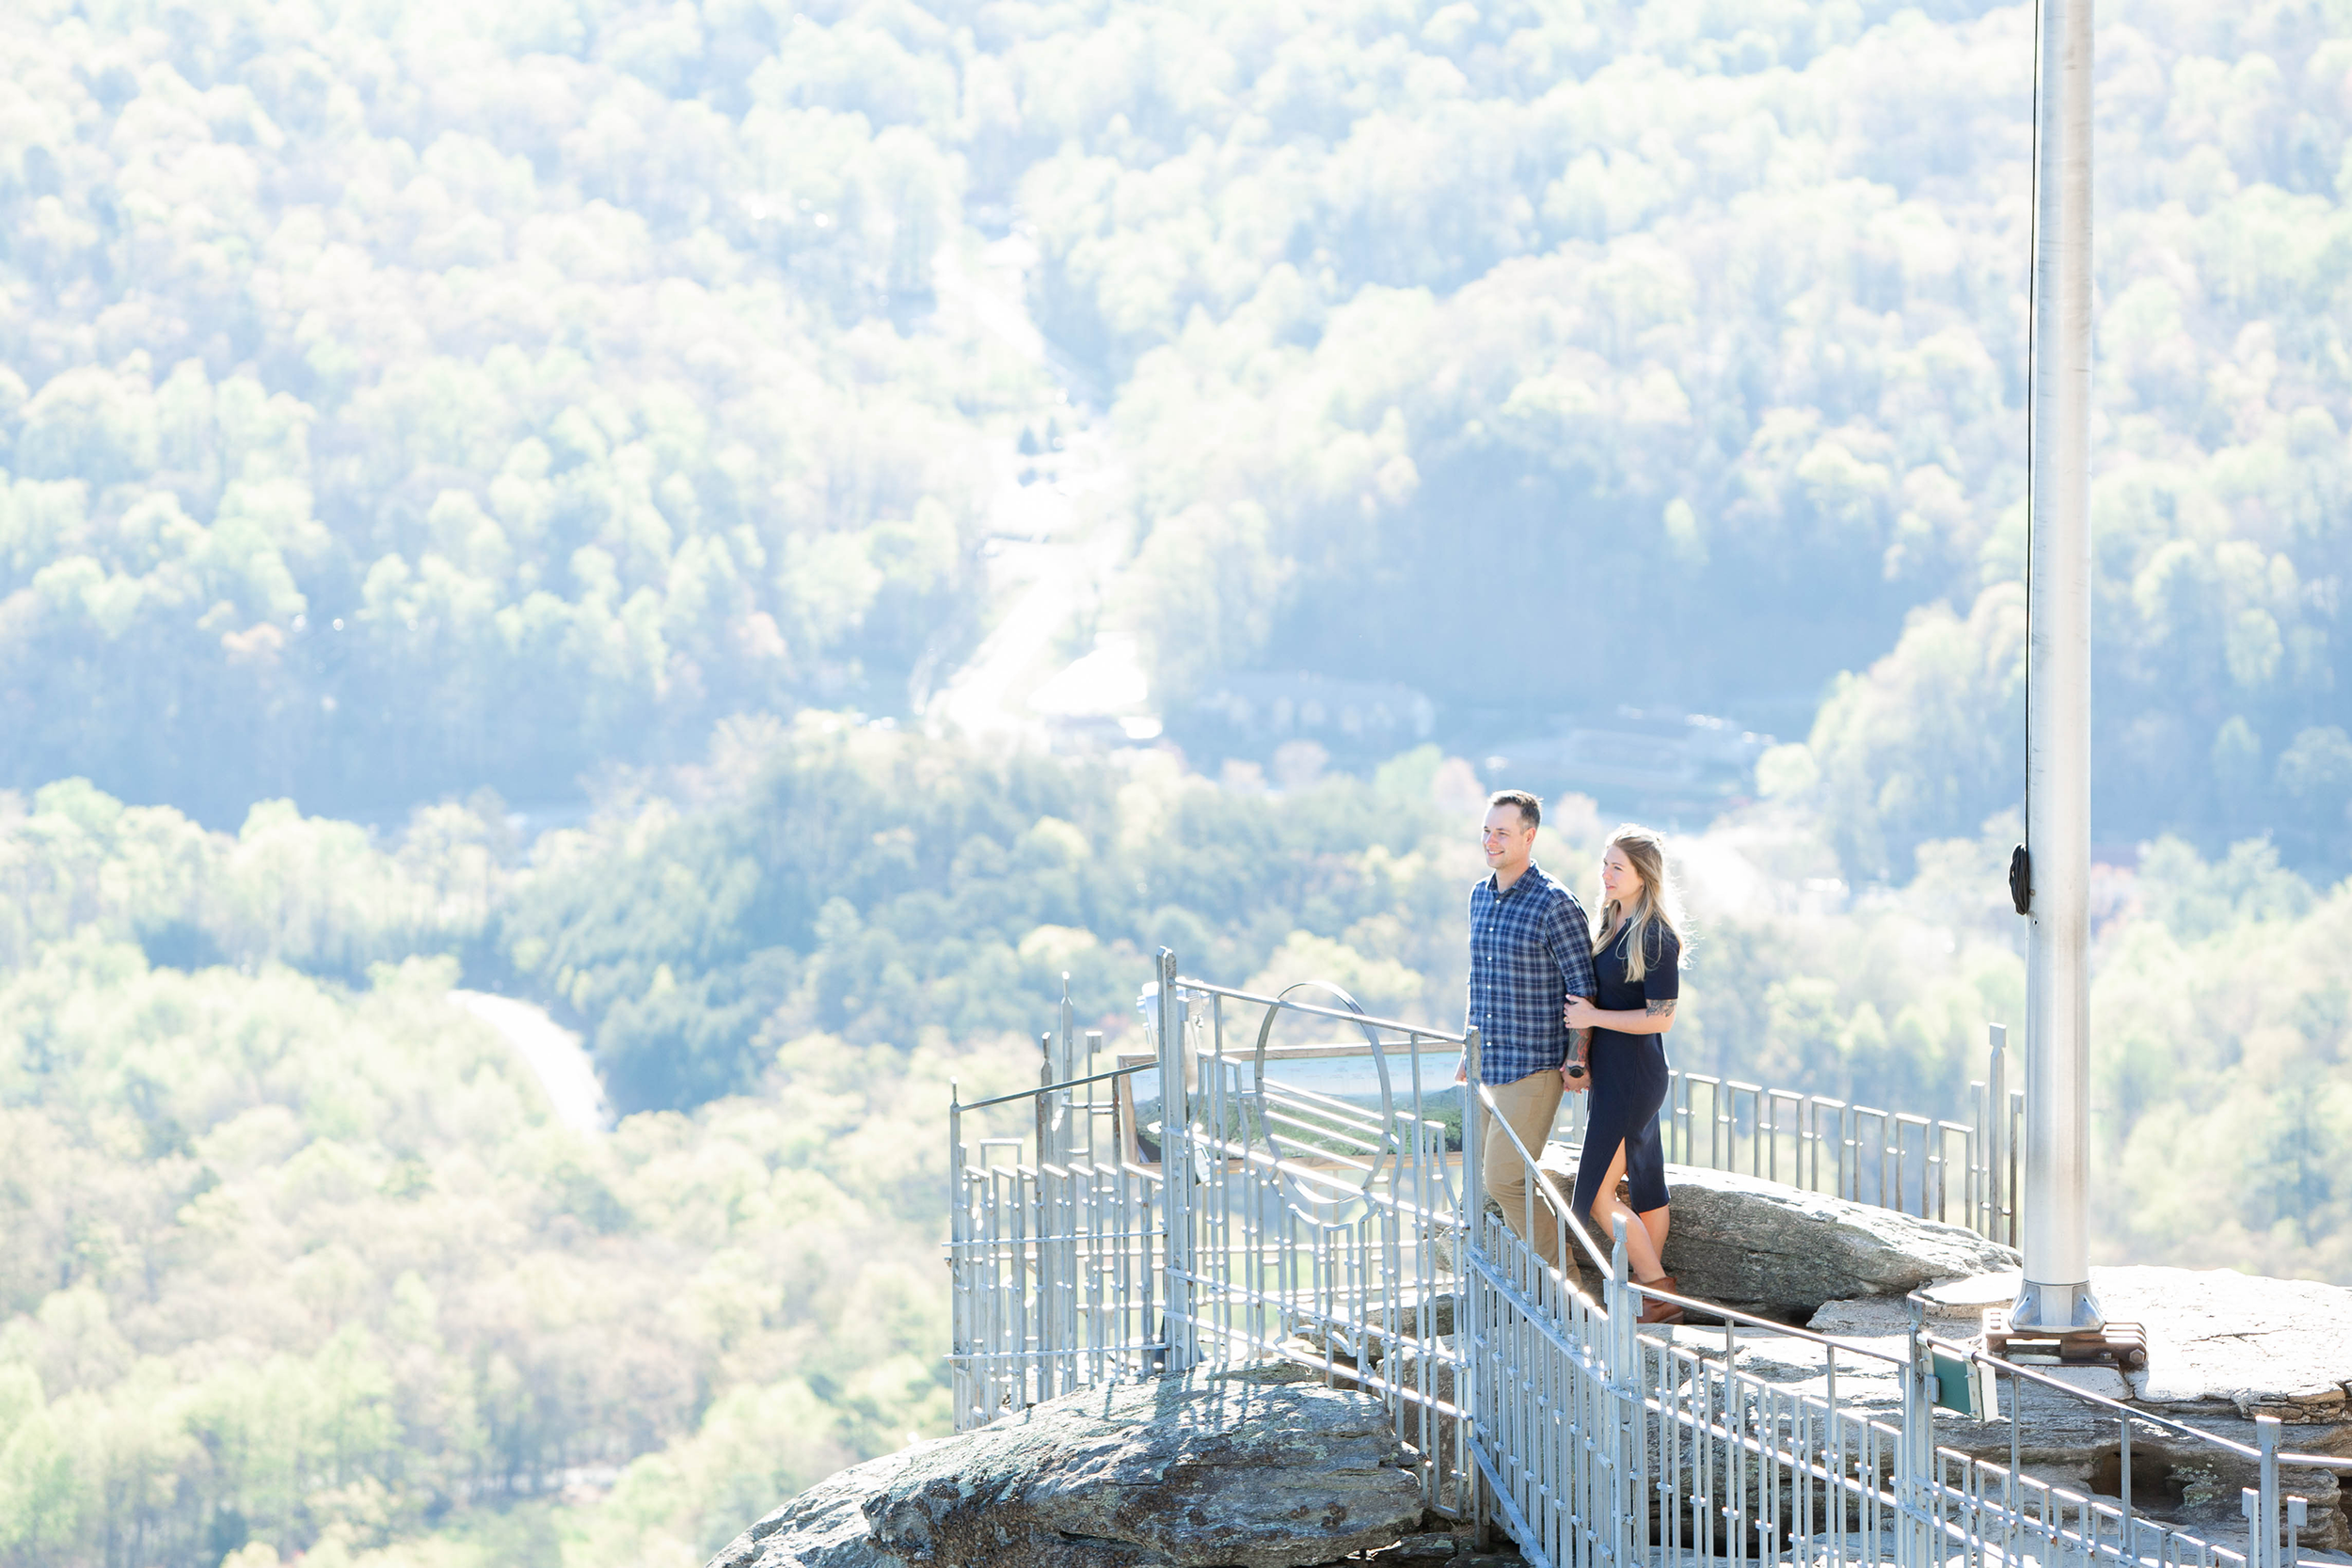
(1531, 809)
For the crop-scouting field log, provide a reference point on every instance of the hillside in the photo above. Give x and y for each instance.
(1654, 355)
(430, 398)
(288, 1267)
(407, 402)
(297, 1258)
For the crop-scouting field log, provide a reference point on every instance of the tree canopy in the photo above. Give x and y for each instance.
(293, 1256)
(395, 402)
(292, 1266)
(401, 400)
(613, 407)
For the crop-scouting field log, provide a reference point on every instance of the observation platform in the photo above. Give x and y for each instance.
(1235, 1196)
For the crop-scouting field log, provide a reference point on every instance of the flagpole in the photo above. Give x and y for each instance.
(2056, 1295)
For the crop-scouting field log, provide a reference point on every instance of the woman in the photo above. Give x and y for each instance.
(1637, 956)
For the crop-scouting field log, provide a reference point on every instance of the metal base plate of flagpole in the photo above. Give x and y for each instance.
(2117, 1344)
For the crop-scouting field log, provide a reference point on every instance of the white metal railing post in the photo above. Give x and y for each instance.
(1473, 1141)
(960, 1292)
(2266, 1521)
(1050, 1275)
(1996, 1133)
(1180, 1333)
(1066, 1036)
(1624, 1392)
(1471, 1328)
(1914, 1449)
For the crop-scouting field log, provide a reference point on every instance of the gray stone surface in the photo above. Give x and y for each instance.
(1750, 1242)
(2219, 1339)
(1182, 1472)
(825, 1526)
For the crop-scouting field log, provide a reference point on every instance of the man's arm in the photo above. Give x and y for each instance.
(1571, 943)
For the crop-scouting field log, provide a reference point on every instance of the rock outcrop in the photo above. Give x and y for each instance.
(1770, 1248)
(2219, 1341)
(1229, 1470)
(825, 1526)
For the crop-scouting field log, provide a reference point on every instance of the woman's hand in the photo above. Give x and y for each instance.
(1580, 1013)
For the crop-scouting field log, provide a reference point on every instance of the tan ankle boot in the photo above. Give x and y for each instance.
(1656, 1311)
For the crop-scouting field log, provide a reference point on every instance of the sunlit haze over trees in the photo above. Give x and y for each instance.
(622, 506)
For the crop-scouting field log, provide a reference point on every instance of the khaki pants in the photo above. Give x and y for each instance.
(1528, 1106)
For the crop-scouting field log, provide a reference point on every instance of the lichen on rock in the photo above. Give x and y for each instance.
(1205, 1470)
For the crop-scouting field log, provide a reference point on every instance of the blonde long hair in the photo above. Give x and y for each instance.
(1658, 906)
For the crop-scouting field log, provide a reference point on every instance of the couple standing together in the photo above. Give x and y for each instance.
(1564, 1007)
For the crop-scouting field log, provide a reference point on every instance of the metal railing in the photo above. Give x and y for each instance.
(1608, 1444)
(1957, 1172)
(1302, 1221)
(1227, 1199)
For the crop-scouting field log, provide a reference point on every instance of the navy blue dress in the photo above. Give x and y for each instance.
(1628, 1076)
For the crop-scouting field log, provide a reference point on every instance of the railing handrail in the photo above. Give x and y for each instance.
(1368, 1021)
(955, 1104)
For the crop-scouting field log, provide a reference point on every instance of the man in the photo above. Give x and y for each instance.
(1531, 950)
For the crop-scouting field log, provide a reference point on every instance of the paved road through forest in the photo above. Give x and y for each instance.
(555, 1053)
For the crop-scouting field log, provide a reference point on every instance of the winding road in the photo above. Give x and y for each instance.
(1056, 542)
(1055, 552)
(553, 1053)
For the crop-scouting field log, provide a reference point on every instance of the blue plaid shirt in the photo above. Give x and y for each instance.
(1531, 950)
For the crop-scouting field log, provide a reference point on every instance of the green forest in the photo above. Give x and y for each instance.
(489, 499)
(402, 400)
(297, 1259)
